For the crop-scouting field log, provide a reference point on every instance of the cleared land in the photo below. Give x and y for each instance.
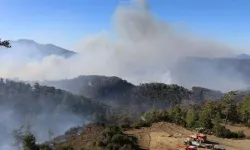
(165, 136)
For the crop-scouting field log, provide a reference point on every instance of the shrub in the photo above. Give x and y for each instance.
(110, 131)
(138, 125)
(221, 131)
(98, 143)
(126, 126)
(241, 134)
(113, 138)
(29, 142)
(120, 139)
(66, 146)
(44, 147)
(248, 123)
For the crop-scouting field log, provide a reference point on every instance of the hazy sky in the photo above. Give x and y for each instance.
(65, 22)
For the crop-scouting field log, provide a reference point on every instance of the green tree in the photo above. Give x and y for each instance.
(209, 107)
(244, 109)
(150, 115)
(29, 142)
(227, 105)
(176, 115)
(205, 120)
(191, 118)
(5, 43)
(217, 119)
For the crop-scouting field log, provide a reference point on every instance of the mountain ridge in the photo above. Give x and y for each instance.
(243, 56)
(29, 48)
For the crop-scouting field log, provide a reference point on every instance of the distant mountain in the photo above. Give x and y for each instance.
(243, 56)
(31, 50)
(223, 74)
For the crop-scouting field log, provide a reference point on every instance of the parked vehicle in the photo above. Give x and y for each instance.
(198, 137)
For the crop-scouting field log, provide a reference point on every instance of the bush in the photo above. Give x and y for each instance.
(248, 123)
(138, 125)
(241, 134)
(109, 146)
(125, 126)
(111, 131)
(113, 138)
(105, 141)
(98, 143)
(221, 131)
(66, 146)
(120, 139)
(44, 147)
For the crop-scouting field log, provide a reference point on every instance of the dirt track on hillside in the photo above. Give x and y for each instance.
(165, 136)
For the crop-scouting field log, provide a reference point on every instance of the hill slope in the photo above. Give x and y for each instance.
(44, 108)
(243, 56)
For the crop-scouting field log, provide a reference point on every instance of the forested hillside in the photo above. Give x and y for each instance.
(120, 92)
(24, 98)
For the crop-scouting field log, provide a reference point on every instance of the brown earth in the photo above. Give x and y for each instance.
(86, 139)
(165, 136)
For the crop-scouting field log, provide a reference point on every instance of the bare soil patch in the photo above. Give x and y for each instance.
(165, 136)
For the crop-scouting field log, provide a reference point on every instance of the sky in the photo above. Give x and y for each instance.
(66, 22)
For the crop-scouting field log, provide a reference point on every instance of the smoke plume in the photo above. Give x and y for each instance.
(40, 125)
(145, 49)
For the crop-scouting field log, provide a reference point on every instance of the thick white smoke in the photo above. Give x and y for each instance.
(144, 50)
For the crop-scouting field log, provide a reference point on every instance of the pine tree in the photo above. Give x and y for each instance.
(5, 44)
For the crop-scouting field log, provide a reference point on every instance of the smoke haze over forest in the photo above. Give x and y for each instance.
(145, 49)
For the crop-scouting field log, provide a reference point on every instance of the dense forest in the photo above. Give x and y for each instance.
(118, 92)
